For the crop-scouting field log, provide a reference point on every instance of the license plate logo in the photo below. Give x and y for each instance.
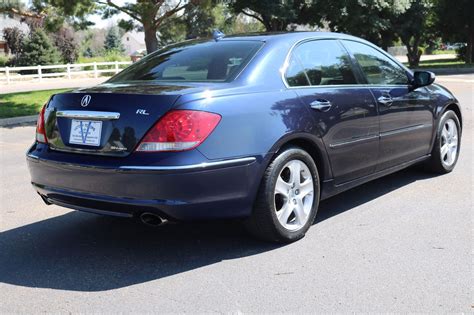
(85, 132)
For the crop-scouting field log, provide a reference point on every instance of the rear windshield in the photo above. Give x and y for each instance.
(193, 62)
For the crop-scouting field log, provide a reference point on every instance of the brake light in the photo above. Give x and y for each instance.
(179, 130)
(40, 128)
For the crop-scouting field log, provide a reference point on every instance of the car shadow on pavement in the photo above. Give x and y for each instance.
(369, 191)
(84, 252)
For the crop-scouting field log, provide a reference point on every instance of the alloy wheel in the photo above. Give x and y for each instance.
(294, 195)
(449, 143)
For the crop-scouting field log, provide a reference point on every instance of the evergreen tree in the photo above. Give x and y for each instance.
(38, 50)
(112, 40)
(88, 52)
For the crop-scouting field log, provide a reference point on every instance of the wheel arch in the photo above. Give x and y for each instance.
(455, 108)
(315, 148)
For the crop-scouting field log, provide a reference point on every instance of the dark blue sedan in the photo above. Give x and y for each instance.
(259, 127)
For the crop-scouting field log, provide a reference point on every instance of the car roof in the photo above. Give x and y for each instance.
(289, 36)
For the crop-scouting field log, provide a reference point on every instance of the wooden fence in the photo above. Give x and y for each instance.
(10, 74)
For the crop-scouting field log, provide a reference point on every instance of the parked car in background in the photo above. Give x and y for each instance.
(455, 46)
(259, 127)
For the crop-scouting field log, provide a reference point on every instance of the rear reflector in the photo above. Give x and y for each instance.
(179, 130)
(40, 129)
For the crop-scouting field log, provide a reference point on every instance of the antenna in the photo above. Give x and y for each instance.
(217, 35)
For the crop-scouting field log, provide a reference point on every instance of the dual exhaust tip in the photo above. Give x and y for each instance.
(152, 219)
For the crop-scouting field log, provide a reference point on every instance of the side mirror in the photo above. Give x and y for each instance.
(423, 78)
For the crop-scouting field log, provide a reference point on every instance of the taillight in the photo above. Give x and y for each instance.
(40, 128)
(179, 130)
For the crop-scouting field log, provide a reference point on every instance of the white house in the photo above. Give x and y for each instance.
(133, 41)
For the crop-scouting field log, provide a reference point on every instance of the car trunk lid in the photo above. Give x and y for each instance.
(104, 123)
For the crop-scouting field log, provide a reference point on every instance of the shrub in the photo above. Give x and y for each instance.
(66, 44)
(14, 38)
(38, 50)
(4, 61)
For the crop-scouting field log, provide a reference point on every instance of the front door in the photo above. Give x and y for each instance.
(345, 114)
(406, 115)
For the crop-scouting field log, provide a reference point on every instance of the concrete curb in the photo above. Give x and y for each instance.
(9, 122)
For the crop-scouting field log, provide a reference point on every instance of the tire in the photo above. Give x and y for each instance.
(443, 161)
(285, 213)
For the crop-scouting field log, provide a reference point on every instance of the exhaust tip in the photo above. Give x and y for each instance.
(152, 219)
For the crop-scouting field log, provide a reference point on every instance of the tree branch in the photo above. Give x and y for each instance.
(121, 9)
(169, 13)
(258, 18)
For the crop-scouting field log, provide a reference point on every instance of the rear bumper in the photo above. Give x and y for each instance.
(218, 189)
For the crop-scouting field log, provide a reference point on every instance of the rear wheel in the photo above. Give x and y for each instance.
(447, 144)
(288, 198)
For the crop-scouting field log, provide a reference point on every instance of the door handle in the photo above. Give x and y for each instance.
(385, 100)
(321, 105)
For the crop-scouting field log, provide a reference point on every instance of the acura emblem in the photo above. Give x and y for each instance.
(86, 99)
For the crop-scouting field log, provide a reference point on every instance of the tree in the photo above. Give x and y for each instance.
(58, 12)
(67, 45)
(91, 41)
(456, 23)
(14, 38)
(413, 28)
(384, 21)
(369, 19)
(149, 15)
(199, 19)
(112, 40)
(278, 15)
(38, 50)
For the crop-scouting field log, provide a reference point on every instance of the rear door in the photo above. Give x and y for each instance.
(345, 114)
(406, 115)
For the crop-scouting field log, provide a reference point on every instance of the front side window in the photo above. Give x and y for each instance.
(199, 61)
(319, 62)
(377, 68)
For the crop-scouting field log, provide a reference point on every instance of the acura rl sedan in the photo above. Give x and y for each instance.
(259, 127)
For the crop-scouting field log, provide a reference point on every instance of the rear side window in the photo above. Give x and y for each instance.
(377, 68)
(193, 62)
(320, 62)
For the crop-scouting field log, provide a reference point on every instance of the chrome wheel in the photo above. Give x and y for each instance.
(294, 195)
(449, 143)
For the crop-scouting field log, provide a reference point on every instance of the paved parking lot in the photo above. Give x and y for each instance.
(401, 243)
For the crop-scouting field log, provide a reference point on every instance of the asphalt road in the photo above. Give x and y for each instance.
(399, 244)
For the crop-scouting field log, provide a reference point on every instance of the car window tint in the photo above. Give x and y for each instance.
(377, 68)
(324, 62)
(192, 62)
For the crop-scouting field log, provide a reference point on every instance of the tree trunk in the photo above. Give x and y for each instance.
(151, 42)
(386, 39)
(414, 57)
(413, 52)
(273, 24)
(469, 48)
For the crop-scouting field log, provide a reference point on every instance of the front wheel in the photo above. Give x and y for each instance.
(288, 198)
(447, 144)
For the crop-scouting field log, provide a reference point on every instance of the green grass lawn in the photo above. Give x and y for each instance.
(443, 63)
(444, 52)
(24, 103)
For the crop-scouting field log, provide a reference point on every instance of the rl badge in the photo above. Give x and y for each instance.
(85, 132)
